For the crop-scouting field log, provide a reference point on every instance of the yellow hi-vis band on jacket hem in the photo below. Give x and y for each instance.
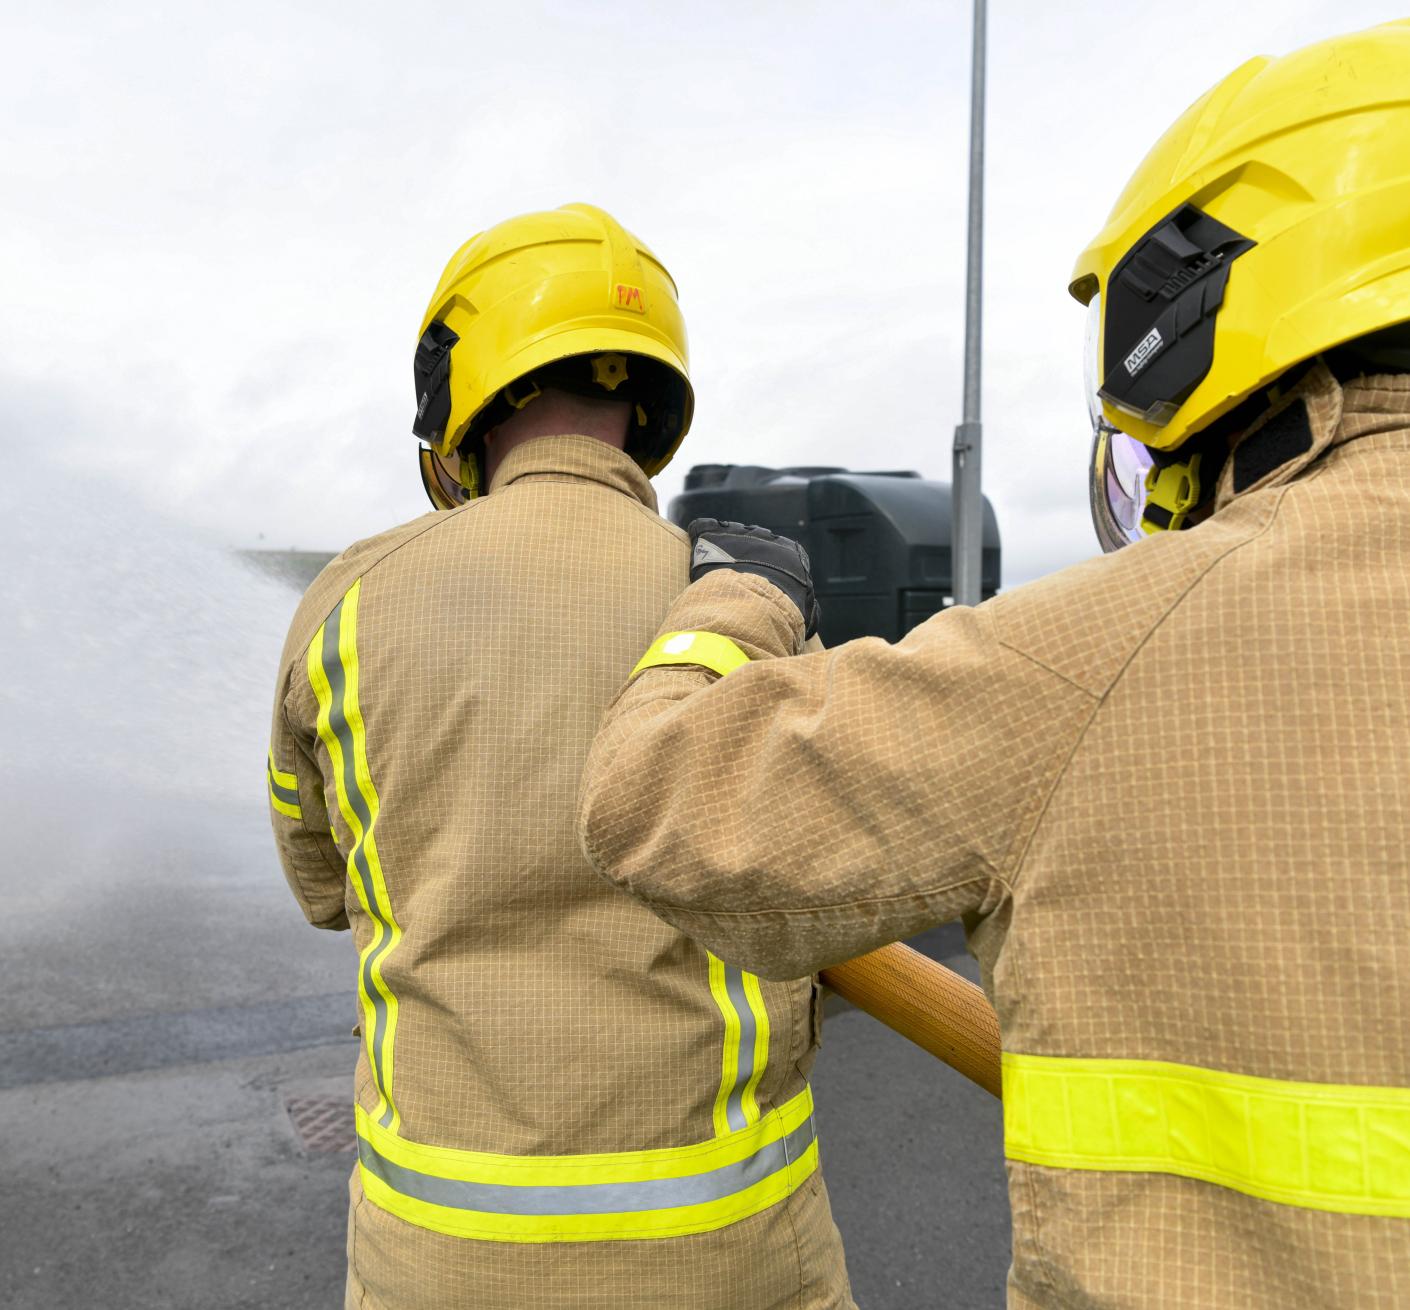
(709, 650)
(283, 790)
(621, 1196)
(1320, 1146)
(334, 675)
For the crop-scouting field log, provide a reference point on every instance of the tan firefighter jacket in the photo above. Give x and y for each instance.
(1169, 792)
(561, 1101)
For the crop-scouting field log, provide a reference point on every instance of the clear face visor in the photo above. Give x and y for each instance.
(1119, 463)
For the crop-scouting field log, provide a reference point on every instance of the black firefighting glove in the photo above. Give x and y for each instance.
(780, 560)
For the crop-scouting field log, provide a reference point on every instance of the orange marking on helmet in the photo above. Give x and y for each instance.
(629, 297)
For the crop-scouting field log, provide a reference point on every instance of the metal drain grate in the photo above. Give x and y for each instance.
(323, 1123)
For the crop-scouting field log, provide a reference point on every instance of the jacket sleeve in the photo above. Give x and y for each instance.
(805, 810)
(299, 814)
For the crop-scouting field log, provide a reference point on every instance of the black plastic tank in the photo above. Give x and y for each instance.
(879, 542)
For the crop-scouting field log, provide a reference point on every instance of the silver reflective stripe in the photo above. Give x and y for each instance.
(289, 795)
(591, 1198)
(748, 1032)
(338, 723)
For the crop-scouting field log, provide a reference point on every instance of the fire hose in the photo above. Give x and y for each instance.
(927, 1004)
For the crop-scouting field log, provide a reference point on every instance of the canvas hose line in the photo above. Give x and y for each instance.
(928, 1004)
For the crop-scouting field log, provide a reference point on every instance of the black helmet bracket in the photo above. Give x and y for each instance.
(431, 371)
(1159, 309)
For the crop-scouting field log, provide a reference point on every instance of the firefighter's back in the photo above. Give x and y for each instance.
(561, 1100)
(1205, 1096)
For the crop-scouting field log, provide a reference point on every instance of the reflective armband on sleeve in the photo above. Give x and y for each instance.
(283, 790)
(708, 650)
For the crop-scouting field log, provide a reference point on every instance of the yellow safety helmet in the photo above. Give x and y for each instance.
(1269, 224)
(565, 298)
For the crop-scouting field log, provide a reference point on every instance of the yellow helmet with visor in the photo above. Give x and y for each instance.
(1265, 227)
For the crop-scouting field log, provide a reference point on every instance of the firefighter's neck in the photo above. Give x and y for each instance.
(555, 414)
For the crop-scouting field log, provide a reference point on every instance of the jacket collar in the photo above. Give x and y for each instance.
(1305, 421)
(574, 458)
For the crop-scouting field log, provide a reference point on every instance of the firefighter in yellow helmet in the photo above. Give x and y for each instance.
(1168, 790)
(561, 1101)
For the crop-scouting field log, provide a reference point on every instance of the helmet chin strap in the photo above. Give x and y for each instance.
(470, 476)
(1172, 492)
(1180, 481)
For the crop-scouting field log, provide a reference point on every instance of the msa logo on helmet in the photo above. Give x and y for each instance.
(1145, 348)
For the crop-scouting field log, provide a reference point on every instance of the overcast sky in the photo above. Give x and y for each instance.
(223, 222)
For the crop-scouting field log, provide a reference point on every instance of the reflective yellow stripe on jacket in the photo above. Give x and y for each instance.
(591, 1198)
(746, 1045)
(334, 675)
(1321, 1146)
(754, 1161)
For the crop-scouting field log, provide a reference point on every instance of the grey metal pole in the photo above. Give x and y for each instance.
(967, 517)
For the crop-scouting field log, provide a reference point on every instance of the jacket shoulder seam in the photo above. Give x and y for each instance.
(663, 524)
(1175, 603)
(437, 520)
(1093, 700)
(1048, 668)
